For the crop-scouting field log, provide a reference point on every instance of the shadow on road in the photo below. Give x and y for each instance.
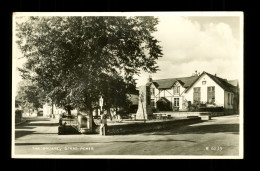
(38, 143)
(43, 124)
(24, 127)
(200, 129)
(36, 119)
(31, 125)
(21, 133)
(102, 142)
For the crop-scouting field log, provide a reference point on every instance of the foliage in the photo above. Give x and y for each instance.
(29, 95)
(200, 106)
(77, 59)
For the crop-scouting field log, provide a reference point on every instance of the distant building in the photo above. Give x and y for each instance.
(47, 110)
(178, 93)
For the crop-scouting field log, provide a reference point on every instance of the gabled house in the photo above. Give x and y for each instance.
(179, 93)
(169, 93)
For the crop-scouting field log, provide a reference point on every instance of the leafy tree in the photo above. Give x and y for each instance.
(74, 59)
(29, 96)
(115, 92)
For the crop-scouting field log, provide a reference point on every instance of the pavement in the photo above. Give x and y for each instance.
(216, 137)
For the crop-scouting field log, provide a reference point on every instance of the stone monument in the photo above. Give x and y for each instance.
(144, 105)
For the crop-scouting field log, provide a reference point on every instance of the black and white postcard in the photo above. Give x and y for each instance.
(135, 85)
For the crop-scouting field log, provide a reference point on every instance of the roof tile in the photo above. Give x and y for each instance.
(168, 83)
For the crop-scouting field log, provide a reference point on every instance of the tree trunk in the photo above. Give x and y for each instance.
(108, 101)
(90, 114)
(143, 112)
(52, 109)
(109, 113)
(91, 120)
(69, 111)
(36, 111)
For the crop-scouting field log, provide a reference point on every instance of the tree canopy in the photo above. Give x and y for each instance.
(77, 59)
(29, 95)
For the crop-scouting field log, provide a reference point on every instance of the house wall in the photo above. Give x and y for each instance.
(168, 94)
(228, 104)
(219, 92)
(47, 109)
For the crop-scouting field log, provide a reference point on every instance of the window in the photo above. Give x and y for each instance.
(176, 90)
(211, 94)
(176, 102)
(203, 82)
(232, 98)
(152, 92)
(196, 94)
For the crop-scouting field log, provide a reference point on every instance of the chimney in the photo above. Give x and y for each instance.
(150, 79)
(215, 74)
(195, 74)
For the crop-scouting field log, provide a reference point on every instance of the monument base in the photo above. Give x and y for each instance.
(144, 114)
(144, 111)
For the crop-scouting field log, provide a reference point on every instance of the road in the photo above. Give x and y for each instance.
(217, 137)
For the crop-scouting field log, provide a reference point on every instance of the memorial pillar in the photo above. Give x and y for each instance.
(144, 111)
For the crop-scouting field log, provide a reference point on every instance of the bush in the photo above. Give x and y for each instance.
(202, 107)
(18, 115)
(211, 109)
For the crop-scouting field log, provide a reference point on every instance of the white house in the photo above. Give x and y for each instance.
(178, 93)
(47, 110)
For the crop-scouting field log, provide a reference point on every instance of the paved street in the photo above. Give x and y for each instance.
(219, 136)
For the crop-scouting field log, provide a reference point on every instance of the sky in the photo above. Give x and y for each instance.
(190, 43)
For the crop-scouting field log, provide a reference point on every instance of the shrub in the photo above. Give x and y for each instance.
(18, 115)
(212, 109)
(202, 107)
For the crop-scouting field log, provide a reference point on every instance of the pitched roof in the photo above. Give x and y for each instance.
(188, 82)
(168, 83)
(155, 84)
(233, 82)
(223, 83)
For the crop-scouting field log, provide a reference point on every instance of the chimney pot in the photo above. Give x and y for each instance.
(150, 79)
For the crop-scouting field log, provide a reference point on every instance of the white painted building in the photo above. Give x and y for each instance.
(178, 93)
(47, 110)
